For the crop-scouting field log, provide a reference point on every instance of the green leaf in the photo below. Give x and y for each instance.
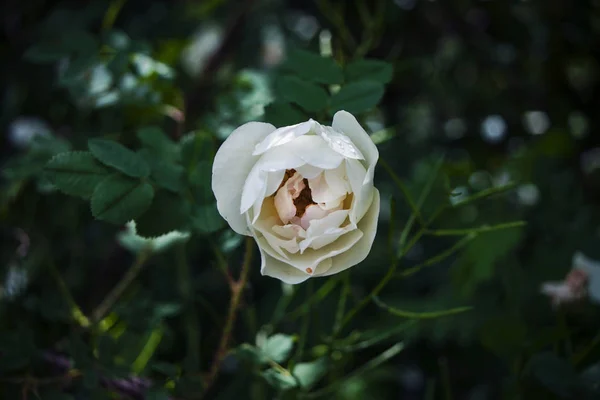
(168, 212)
(307, 95)
(119, 199)
(309, 373)
(278, 347)
(313, 67)
(196, 147)
(154, 139)
(283, 114)
(279, 379)
(369, 70)
(135, 243)
(116, 155)
(250, 354)
(75, 173)
(357, 97)
(383, 136)
(199, 179)
(168, 176)
(164, 173)
(206, 219)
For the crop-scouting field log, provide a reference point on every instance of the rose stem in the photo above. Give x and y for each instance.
(237, 289)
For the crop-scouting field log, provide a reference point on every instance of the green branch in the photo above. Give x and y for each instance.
(237, 289)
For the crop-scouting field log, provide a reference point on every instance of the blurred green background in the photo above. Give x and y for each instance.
(485, 115)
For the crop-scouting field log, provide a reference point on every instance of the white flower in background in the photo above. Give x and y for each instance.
(202, 47)
(583, 280)
(304, 192)
(23, 130)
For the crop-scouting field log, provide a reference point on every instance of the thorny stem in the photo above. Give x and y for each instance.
(237, 289)
(114, 295)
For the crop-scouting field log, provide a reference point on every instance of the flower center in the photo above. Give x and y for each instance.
(303, 200)
(293, 197)
(300, 191)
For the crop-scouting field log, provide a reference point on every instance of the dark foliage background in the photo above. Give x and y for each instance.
(489, 118)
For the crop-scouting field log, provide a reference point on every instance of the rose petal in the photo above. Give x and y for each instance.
(314, 151)
(284, 135)
(329, 223)
(255, 189)
(289, 231)
(363, 192)
(309, 171)
(276, 269)
(273, 181)
(312, 258)
(278, 244)
(336, 179)
(330, 196)
(265, 225)
(340, 143)
(325, 231)
(360, 250)
(345, 122)
(312, 212)
(227, 182)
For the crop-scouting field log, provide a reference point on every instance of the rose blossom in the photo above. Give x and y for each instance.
(304, 192)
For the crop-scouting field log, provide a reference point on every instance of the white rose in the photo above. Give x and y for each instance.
(304, 192)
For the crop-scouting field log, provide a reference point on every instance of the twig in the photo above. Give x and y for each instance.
(110, 300)
(471, 231)
(237, 289)
(420, 315)
(438, 258)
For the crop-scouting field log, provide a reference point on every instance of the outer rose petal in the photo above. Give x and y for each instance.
(231, 166)
(345, 122)
(318, 260)
(276, 269)
(361, 249)
(284, 135)
(362, 187)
